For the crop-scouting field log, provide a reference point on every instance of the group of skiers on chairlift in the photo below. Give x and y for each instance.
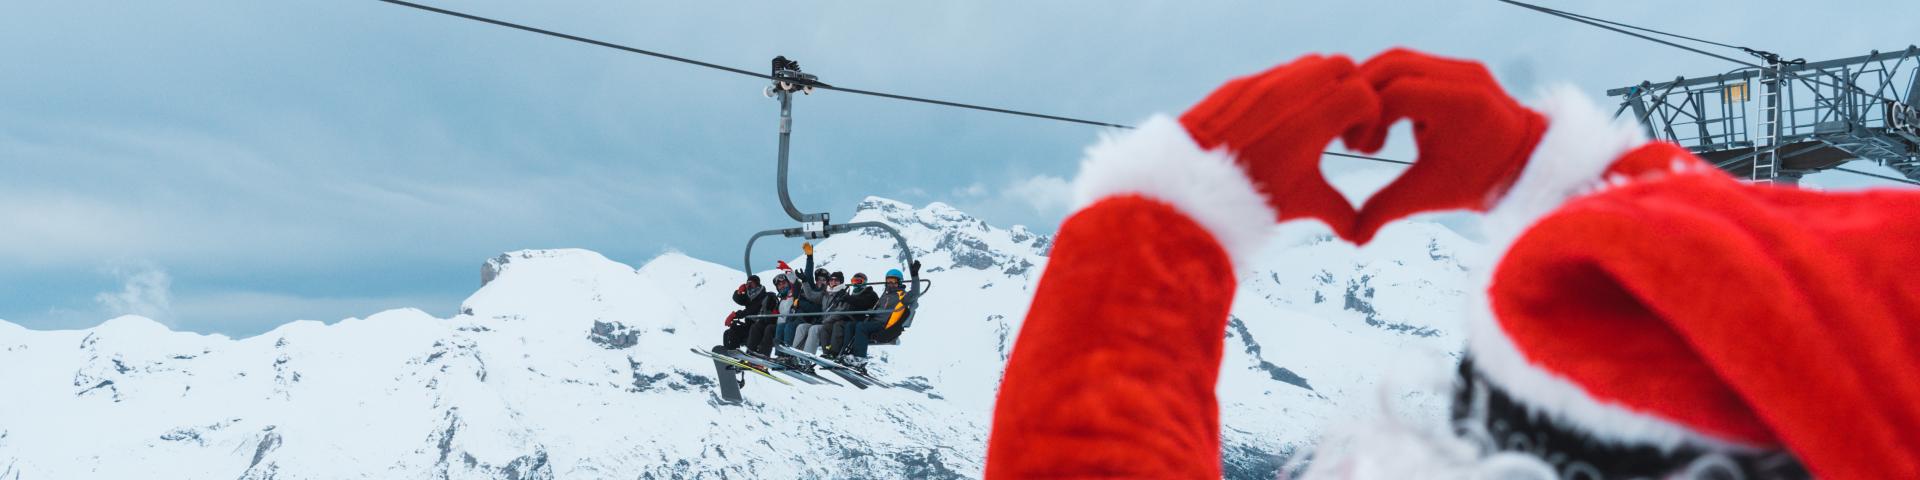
(800, 313)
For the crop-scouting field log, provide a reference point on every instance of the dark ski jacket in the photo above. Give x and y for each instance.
(856, 302)
(810, 298)
(835, 301)
(895, 303)
(898, 314)
(756, 301)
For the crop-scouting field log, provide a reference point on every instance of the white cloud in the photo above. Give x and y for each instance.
(146, 291)
(1046, 194)
(975, 190)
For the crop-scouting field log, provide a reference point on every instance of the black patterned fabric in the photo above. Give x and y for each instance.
(1486, 415)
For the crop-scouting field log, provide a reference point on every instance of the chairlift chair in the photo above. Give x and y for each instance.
(787, 80)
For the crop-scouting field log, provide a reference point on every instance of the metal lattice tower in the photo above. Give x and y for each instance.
(1811, 116)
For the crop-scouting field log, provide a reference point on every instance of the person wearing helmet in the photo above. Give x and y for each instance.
(859, 298)
(810, 337)
(883, 327)
(809, 292)
(760, 335)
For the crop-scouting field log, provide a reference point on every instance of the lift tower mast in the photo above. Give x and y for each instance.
(1791, 117)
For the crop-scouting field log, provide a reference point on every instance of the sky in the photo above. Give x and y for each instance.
(226, 166)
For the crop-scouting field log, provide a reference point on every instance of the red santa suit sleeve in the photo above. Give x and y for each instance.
(1114, 370)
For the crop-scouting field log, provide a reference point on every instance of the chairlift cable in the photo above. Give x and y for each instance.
(728, 69)
(1604, 24)
(1598, 23)
(763, 76)
(1364, 157)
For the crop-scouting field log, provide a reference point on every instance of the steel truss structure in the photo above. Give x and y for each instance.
(1792, 117)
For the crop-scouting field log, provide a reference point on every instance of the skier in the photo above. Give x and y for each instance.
(752, 296)
(807, 297)
(884, 327)
(1647, 316)
(760, 335)
(812, 336)
(859, 298)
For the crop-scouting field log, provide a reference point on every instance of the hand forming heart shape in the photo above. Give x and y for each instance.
(1473, 138)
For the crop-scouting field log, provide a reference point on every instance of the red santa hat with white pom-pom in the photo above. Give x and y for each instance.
(1650, 316)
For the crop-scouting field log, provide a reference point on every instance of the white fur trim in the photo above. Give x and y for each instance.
(1580, 143)
(1549, 394)
(1159, 160)
(1414, 440)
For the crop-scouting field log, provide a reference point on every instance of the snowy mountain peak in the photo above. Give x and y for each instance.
(493, 267)
(945, 238)
(936, 215)
(566, 364)
(132, 326)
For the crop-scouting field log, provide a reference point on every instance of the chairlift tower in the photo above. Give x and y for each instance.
(1777, 123)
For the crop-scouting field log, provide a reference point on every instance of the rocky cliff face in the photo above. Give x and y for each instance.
(565, 364)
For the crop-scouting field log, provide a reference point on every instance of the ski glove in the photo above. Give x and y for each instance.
(1473, 138)
(1277, 122)
(807, 247)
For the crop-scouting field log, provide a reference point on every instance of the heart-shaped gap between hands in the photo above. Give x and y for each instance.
(1473, 138)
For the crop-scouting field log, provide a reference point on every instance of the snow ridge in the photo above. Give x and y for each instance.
(566, 364)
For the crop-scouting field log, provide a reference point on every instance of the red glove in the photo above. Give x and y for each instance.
(1277, 122)
(1473, 138)
(742, 289)
(730, 316)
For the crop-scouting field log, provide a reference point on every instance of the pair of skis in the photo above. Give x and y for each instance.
(803, 376)
(747, 361)
(850, 375)
(726, 367)
(726, 364)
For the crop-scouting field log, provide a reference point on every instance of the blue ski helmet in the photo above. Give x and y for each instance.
(895, 273)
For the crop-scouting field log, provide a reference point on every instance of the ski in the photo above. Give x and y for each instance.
(844, 374)
(736, 363)
(842, 370)
(771, 365)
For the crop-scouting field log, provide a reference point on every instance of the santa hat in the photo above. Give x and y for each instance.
(1673, 309)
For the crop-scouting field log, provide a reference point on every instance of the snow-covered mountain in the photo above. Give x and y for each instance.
(568, 365)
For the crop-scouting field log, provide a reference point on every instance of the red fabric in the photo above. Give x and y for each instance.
(1654, 158)
(1473, 138)
(1755, 314)
(1758, 314)
(1277, 122)
(1113, 374)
